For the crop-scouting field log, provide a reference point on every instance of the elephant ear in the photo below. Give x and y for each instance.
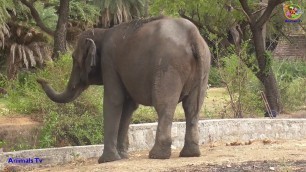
(90, 59)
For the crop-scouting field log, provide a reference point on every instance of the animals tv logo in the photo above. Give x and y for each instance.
(293, 12)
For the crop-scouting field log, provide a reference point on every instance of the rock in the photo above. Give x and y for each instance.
(272, 168)
(267, 141)
(236, 143)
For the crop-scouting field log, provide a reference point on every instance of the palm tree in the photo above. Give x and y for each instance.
(114, 12)
(5, 7)
(27, 28)
(23, 45)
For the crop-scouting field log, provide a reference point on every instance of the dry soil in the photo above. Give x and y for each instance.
(259, 156)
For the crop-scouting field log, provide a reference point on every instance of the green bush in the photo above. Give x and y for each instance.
(47, 138)
(68, 129)
(144, 115)
(243, 87)
(75, 123)
(291, 77)
(252, 101)
(3, 81)
(293, 94)
(214, 79)
(289, 69)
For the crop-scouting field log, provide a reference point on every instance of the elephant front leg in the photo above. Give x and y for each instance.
(112, 110)
(112, 114)
(123, 141)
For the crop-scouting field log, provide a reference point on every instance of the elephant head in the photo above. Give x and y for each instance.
(86, 70)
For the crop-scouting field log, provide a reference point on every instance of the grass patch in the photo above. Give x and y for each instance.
(4, 111)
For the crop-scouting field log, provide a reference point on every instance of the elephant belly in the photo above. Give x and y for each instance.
(138, 84)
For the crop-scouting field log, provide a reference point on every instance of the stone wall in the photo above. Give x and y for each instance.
(292, 48)
(142, 137)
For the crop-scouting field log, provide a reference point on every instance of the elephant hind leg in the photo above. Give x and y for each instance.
(163, 141)
(168, 88)
(129, 107)
(191, 145)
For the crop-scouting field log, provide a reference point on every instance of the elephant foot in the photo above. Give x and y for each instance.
(123, 154)
(108, 157)
(160, 152)
(190, 150)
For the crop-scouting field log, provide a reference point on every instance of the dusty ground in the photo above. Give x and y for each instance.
(16, 121)
(259, 156)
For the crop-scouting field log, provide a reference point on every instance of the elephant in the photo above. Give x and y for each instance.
(159, 61)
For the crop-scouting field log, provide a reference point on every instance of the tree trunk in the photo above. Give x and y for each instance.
(265, 74)
(61, 29)
(264, 27)
(271, 91)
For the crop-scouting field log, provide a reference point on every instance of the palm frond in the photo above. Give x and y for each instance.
(12, 54)
(24, 56)
(118, 11)
(30, 56)
(19, 50)
(36, 52)
(5, 5)
(2, 39)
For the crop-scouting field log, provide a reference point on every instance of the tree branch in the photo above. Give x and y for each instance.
(37, 18)
(199, 25)
(258, 11)
(182, 14)
(266, 15)
(246, 10)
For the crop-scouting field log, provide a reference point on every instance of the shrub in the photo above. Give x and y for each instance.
(294, 94)
(214, 79)
(68, 129)
(144, 115)
(242, 86)
(291, 77)
(75, 123)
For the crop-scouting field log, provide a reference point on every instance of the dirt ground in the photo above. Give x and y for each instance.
(16, 121)
(257, 156)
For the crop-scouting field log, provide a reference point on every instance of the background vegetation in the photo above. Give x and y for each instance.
(26, 50)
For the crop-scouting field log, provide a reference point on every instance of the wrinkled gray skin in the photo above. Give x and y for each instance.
(154, 62)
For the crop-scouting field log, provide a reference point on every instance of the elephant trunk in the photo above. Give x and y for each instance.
(72, 91)
(65, 97)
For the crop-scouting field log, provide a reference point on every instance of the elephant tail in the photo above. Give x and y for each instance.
(202, 55)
